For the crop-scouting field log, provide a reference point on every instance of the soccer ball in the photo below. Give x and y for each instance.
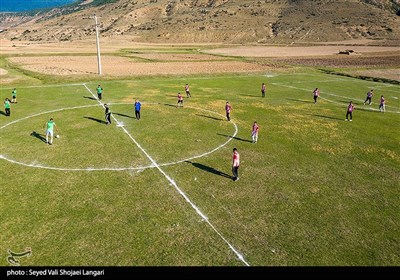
(57, 136)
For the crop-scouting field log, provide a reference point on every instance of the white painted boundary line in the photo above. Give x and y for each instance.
(74, 169)
(46, 86)
(173, 183)
(316, 81)
(336, 78)
(332, 94)
(388, 89)
(112, 168)
(206, 153)
(42, 113)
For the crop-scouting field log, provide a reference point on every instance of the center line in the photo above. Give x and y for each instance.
(204, 217)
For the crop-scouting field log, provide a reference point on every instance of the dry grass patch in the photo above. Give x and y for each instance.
(122, 66)
(179, 57)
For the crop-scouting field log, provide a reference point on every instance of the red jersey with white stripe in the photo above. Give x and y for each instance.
(180, 97)
(350, 108)
(236, 159)
(255, 128)
(228, 108)
(383, 100)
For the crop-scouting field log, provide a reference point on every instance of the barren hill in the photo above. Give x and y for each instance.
(212, 21)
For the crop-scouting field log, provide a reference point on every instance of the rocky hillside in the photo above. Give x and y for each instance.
(208, 21)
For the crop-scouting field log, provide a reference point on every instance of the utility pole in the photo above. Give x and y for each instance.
(98, 45)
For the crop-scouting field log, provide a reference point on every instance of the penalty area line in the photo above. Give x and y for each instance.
(174, 184)
(332, 94)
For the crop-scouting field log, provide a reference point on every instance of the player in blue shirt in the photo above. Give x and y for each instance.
(138, 106)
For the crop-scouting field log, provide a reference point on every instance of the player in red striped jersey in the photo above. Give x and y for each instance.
(263, 89)
(235, 164)
(187, 90)
(254, 132)
(228, 109)
(382, 105)
(350, 110)
(180, 100)
(315, 94)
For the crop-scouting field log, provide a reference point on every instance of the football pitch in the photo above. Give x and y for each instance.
(314, 190)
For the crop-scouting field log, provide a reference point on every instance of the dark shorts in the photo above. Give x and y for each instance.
(180, 101)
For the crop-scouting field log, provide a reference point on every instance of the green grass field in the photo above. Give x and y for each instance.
(314, 191)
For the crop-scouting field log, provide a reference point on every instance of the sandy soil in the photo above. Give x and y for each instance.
(107, 45)
(110, 44)
(122, 66)
(179, 57)
(167, 63)
(261, 51)
(3, 71)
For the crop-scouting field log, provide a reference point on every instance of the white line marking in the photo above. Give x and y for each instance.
(42, 113)
(337, 78)
(206, 153)
(119, 124)
(45, 86)
(311, 82)
(34, 165)
(204, 217)
(332, 94)
(386, 89)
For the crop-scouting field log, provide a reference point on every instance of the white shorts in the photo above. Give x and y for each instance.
(49, 132)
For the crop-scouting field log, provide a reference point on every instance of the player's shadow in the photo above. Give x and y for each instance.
(39, 136)
(170, 105)
(300, 100)
(236, 138)
(2, 113)
(96, 120)
(249, 95)
(209, 117)
(123, 115)
(327, 117)
(209, 169)
(90, 97)
(367, 109)
(355, 103)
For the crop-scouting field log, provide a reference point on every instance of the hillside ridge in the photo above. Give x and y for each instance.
(211, 21)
